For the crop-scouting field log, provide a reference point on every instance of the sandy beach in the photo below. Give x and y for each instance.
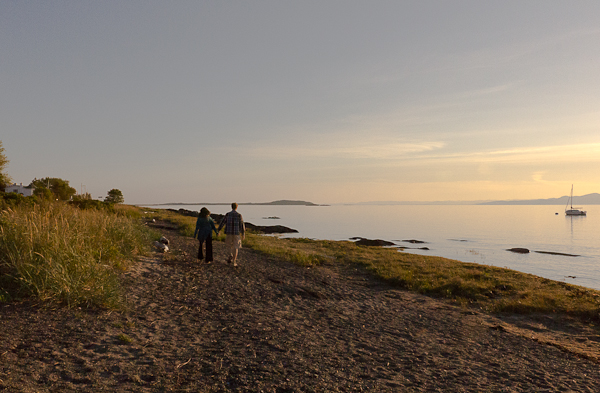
(271, 326)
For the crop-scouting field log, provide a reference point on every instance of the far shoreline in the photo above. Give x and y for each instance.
(274, 203)
(589, 199)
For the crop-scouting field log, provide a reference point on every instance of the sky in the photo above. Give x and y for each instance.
(324, 101)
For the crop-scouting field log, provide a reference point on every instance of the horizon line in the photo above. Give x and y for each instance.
(540, 201)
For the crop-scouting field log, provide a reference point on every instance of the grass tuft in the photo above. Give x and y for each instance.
(124, 339)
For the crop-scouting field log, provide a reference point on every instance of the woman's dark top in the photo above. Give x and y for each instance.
(204, 227)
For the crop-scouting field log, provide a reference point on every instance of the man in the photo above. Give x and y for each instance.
(235, 231)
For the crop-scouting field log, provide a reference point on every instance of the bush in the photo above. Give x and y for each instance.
(12, 199)
(82, 203)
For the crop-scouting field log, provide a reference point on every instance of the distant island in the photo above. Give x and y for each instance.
(283, 202)
(589, 199)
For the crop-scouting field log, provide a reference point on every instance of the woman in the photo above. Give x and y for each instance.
(204, 227)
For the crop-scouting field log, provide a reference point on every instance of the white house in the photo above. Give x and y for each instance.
(19, 189)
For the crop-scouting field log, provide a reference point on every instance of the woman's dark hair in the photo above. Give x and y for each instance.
(204, 212)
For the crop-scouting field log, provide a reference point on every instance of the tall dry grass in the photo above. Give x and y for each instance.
(56, 252)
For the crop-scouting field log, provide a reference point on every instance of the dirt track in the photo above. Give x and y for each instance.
(270, 326)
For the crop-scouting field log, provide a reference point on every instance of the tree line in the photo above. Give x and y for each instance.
(53, 188)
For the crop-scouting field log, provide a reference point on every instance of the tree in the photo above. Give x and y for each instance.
(4, 178)
(114, 196)
(43, 193)
(60, 188)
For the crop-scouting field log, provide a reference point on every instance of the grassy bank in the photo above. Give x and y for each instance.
(490, 288)
(486, 287)
(60, 253)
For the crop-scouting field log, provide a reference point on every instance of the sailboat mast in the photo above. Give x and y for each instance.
(571, 196)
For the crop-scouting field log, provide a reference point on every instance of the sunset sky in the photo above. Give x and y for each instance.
(325, 101)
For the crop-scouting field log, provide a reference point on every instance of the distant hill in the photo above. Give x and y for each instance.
(284, 202)
(589, 199)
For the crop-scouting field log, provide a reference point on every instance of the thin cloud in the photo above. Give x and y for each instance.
(564, 153)
(382, 150)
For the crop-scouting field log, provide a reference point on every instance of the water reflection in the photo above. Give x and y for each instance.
(575, 222)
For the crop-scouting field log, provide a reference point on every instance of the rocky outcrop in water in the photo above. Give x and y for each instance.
(361, 241)
(269, 229)
(557, 253)
(519, 250)
(526, 251)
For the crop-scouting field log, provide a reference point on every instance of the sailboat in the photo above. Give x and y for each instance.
(573, 211)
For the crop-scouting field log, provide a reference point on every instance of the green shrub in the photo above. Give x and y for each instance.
(83, 203)
(124, 339)
(126, 210)
(12, 199)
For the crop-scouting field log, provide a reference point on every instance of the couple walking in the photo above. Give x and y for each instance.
(235, 232)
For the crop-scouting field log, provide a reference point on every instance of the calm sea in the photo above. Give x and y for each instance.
(474, 233)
